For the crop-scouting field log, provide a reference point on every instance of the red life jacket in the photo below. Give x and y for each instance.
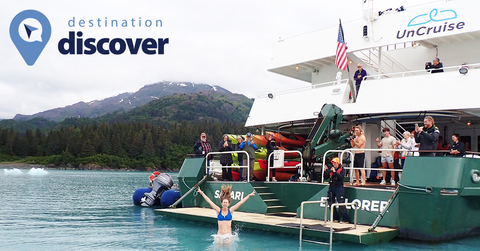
(339, 170)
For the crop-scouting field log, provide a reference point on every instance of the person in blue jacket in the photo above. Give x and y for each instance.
(249, 146)
(359, 76)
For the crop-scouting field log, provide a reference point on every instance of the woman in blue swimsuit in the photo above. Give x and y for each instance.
(224, 214)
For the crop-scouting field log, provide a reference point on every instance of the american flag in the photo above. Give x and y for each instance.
(341, 56)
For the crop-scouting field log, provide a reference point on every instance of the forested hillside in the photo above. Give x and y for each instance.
(157, 135)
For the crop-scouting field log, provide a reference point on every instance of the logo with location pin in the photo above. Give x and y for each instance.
(30, 31)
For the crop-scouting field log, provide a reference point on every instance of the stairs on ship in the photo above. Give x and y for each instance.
(274, 205)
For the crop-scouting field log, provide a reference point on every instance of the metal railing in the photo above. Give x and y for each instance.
(376, 76)
(351, 167)
(220, 153)
(353, 204)
(333, 151)
(301, 164)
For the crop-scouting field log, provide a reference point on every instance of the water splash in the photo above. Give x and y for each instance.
(13, 171)
(225, 242)
(37, 171)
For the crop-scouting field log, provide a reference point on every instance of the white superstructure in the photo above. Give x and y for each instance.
(398, 90)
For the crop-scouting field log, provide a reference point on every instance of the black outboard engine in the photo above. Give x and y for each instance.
(161, 183)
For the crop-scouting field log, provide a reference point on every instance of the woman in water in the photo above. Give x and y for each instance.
(224, 214)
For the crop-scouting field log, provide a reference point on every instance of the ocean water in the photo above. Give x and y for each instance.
(93, 210)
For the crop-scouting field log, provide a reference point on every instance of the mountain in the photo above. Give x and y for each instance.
(123, 102)
(193, 107)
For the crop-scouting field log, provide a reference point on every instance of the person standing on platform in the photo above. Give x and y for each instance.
(271, 146)
(226, 159)
(359, 159)
(359, 76)
(435, 65)
(203, 147)
(241, 159)
(249, 146)
(458, 148)
(335, 190)
(427, 136)
(388, 142)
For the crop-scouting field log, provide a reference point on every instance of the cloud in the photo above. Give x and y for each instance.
(214, 42)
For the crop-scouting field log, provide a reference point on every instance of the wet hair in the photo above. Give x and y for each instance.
(225, 194)
(386, 129)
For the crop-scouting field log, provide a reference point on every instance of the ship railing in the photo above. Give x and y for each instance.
(306, 88)
(423, 72)
(325, 203)
(333, 151)
(377, 76)
(274, 167)
(351, 167)
(220, 153)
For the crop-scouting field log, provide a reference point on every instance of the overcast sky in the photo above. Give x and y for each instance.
(225, 43)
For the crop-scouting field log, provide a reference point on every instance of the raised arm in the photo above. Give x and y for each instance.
(233, 208)
(217, 209)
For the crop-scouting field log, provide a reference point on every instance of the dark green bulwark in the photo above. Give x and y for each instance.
(439, 199)
(193, 169)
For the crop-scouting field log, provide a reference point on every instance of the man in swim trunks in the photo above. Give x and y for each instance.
(224, 214)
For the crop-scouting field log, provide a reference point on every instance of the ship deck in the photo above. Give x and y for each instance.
(290, 224)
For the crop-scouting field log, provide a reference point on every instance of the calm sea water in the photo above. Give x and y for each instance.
(93, 210)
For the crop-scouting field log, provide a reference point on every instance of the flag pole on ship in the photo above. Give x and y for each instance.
(341, 60)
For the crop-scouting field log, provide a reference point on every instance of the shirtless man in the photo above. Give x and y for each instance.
(359, 159)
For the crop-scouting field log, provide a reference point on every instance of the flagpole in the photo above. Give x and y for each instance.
(354, 91)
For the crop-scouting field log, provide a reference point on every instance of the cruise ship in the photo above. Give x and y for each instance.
(436, 198)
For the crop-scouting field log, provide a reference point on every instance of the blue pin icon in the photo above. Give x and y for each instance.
(30, 31)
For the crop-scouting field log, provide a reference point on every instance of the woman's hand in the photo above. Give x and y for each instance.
(199, 191)
(252, 194)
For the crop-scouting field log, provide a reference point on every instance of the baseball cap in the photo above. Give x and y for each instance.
(249, 134)
(336, 160)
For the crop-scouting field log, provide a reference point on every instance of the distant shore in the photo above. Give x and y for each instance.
(10, 165)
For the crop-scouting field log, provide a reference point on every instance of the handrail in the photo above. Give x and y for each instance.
(334, 151)
(353, 204)
(268, 164)
(189, 191)
(214, 153)
(378, 76)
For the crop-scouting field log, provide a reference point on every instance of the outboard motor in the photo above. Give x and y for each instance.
(161, 183)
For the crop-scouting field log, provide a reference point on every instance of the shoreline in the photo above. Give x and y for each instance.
(92, 167)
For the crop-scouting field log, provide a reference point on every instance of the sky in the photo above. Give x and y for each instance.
(225, 43)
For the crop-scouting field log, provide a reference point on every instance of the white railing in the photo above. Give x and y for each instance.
(306, 88)
(424, 72)
(332, 151)
(301, 164)
(378, 76)
(353, 204)
(220, 153)
(349, 150)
